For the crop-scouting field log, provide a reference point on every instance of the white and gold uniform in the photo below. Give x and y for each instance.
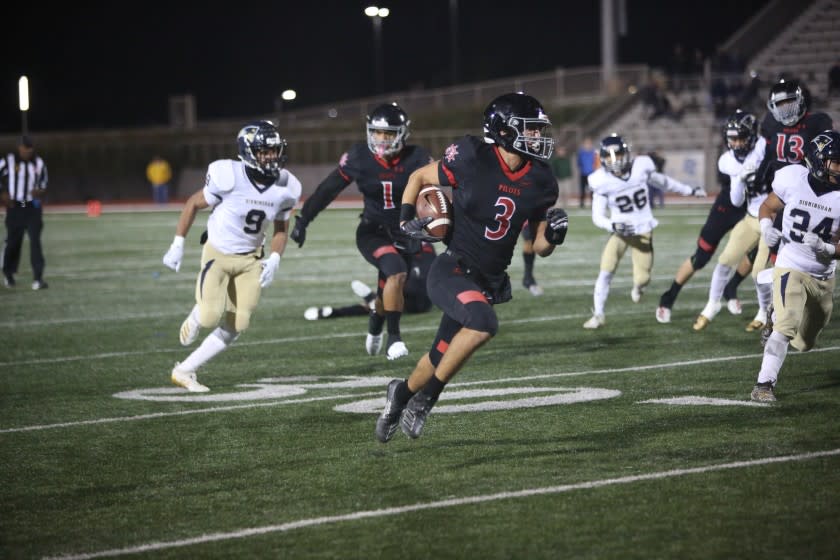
(745, 236)
(803, 282)
(620, 206)
(229, 279)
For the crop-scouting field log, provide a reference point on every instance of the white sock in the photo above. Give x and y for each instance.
(215, 343)
(720, 277)
(764, 292)
(602, 290)
(775, 350)
(194, 314)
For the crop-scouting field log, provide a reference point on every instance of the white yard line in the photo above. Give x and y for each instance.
(356, 396)
(440, 504)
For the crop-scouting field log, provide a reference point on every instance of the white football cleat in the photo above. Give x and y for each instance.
(594, 322)
(373, 344)
(397, 350)
(187, 380)
(315, 313)
(189, 331)
(536, 290)
(663, 314)
(734, 306)
(360, 288)
(636, 293)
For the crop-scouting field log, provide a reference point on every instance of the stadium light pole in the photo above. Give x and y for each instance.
(23, 99)
(376, 14)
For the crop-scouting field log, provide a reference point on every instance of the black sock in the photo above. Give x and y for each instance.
(349, 311)
(668, 298)
(375, 323)
(434, 388)
(393, 319)
(403, 394)
(529, 264)
(731, 289)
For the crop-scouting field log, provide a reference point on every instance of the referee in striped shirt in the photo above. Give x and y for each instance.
(23, 176)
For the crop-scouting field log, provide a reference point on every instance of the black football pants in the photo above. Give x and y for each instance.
(19, 220)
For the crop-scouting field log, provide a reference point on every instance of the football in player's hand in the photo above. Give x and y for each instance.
(432, 202)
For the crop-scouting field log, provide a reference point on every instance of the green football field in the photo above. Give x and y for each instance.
(637, 440)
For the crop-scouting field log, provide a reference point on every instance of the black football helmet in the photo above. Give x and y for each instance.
(787, 102)
(741, 126)
(824, 148)
(615, 155)
(518, 123)
(391, 119)
(261, 148)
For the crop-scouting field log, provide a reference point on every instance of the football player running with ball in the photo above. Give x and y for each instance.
(380, 169)
(244, 196)
(803, 279)
(498, 182)
(620, 205)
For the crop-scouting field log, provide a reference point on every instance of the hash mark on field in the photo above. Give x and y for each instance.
(440, 504)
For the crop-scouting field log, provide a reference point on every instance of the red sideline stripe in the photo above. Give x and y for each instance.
(384, 250)
(442, 346)
(470, 296)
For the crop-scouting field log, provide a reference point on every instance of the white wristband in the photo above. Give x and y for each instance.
(830, 248)
(765, 224)
(178, 241)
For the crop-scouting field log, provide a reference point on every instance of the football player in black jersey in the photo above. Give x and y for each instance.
(498, 182)
(380, 168)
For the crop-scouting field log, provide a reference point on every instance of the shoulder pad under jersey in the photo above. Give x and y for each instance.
(221, 173)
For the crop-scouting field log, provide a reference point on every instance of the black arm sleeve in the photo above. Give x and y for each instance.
(326, 192)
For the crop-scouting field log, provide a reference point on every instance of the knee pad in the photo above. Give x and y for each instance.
(700, 258)
(391, 264)
(481, 317)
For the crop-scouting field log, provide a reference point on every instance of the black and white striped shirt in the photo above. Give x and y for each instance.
(21, 177)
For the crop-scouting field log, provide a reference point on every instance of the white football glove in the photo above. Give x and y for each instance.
(624, 229)
(821, 248)
(771, 235)
(269, 267)
(175, 254)
(699, 192)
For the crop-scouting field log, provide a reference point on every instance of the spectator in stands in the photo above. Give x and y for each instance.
(677, 67)
(750, 99)
(660, 101)
(587, 162)
(834, 79)
(654, 192)
(159, 173)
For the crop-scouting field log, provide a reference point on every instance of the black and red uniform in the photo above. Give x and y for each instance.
(381, 182)
(490, 205)
(786, 145)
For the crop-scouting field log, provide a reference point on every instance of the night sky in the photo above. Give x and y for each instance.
(114, 64)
